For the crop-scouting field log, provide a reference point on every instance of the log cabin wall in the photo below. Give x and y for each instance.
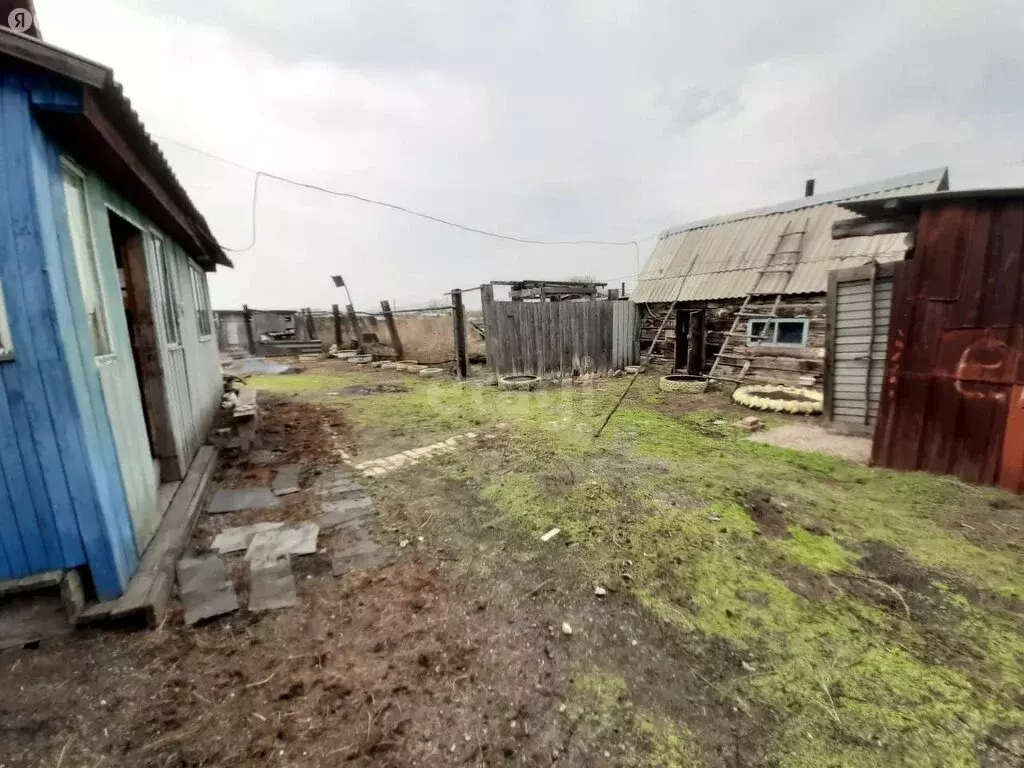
(770, 363)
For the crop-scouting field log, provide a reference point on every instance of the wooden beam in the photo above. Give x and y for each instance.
(861, 227)
(459, 330)
(113, 138)
(150, 589)
(48, 57)
(146, 349)
(491, 327)
(389, 318)
(354, 322)
(336, 314)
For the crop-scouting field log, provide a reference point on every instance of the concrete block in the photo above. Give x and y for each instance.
(341, 511)
(237, 499)
(239, 538)
(287, 480)
(205, 589)
(288, 540)
(271, 585)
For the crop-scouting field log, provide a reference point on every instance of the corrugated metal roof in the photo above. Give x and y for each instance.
(41, 54)
(722, 258)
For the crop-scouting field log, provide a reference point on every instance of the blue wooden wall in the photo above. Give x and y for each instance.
(62, 503)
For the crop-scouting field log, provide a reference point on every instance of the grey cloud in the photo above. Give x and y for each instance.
(557, 120)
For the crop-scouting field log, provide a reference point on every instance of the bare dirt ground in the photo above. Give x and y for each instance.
(812, 437)
(708, 602)
(454, 655)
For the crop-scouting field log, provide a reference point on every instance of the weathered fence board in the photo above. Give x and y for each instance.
(563, 338)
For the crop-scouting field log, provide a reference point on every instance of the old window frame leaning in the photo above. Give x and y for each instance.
(201, 298)
(6, 342)
(773, 323)
(83, 245)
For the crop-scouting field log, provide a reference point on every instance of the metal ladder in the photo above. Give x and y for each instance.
(772, 266)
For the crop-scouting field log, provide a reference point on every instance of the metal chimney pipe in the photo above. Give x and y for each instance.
(809, 188)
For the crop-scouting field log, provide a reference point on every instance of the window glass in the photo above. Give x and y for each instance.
(170, 294)
(85, 260)
(201, 296)
(790, 331)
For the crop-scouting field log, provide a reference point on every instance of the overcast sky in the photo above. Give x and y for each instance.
(551, 120)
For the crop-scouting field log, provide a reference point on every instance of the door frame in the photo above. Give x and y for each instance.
(152, 384)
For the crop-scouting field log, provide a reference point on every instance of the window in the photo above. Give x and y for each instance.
(201, 295)
(777, 333)
(6, 344)
(85, 260)
(169, 294)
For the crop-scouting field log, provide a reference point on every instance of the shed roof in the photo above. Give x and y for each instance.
(889, 206)
(722, 258)
(139, 164)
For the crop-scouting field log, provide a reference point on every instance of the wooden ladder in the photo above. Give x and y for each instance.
(772, 266)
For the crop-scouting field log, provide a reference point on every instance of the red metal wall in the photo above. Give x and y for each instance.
(953, 395)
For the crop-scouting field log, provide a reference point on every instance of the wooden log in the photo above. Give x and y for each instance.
(459, 330)
(389, 318)
(861, 227)
(336, 314)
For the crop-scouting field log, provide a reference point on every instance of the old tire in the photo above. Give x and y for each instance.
(403, 365)
(432, 373)
(679, 383)
(631, 369)
(778, 398)
(518, 383)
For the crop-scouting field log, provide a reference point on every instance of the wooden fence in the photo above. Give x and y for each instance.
(563, 338)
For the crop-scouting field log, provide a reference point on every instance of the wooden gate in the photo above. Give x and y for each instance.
(561, 338)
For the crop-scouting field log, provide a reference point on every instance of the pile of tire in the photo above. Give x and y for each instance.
(766, 397)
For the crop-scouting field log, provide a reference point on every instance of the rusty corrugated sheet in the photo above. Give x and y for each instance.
(953, 397)
(721, 258)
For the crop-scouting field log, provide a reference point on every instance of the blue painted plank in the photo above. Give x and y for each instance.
(103, 515)
(28, 499)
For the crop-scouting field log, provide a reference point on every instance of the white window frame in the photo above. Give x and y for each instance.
(772, 332)
(109, 354)
(171, 309)
(201, 297)
(6, 342)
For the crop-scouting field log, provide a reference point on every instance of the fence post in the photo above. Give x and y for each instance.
(459, 328)
(310, 327)
(490, 326)
(250, 337)
(396, 343)
(354, 321)
(336, 314)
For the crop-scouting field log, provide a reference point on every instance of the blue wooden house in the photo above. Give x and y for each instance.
(109, 379)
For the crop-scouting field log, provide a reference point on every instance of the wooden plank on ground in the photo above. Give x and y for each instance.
(149, 591)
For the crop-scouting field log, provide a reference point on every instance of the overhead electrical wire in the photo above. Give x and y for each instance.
(384, 204)
(440, 220)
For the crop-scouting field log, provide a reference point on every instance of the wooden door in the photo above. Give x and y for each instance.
(167, 299)
(105, 322)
